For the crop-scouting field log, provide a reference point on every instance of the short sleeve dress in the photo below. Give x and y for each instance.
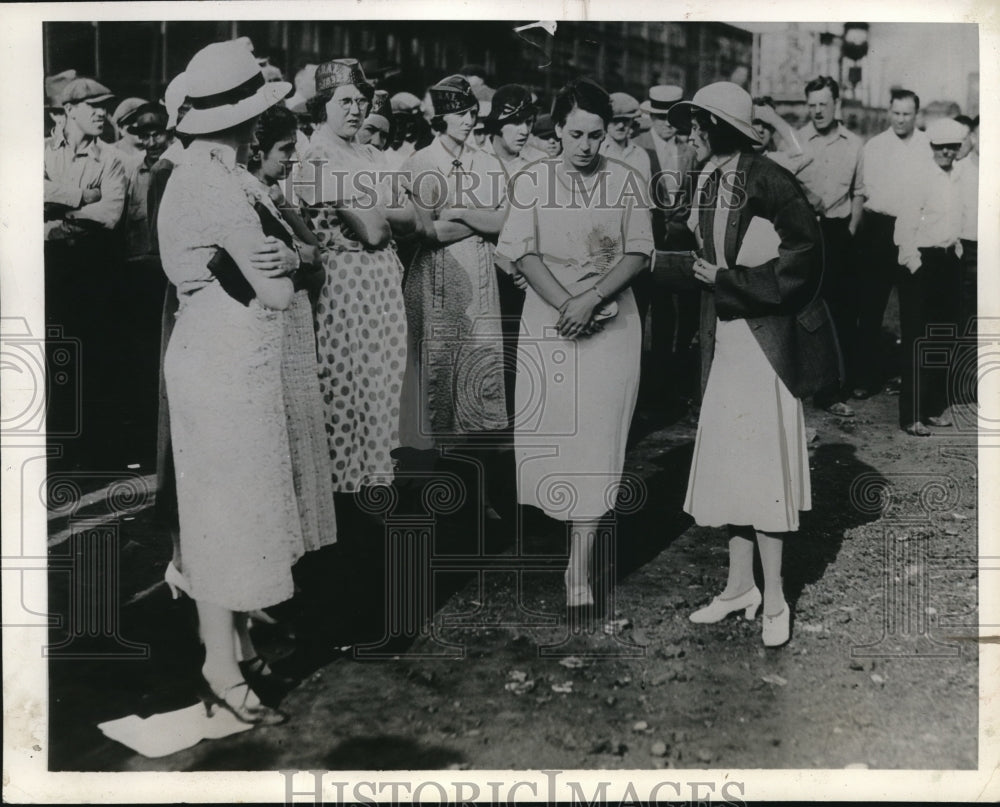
(240, 532)
(360, 321)
(574, 399)
(455, 381)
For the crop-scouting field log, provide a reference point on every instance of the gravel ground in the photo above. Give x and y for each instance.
(881, 670)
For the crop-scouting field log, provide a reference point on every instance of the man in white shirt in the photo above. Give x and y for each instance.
(617, 145)
(835, 177)
(928, 233)
(890, 158)
(970, 256)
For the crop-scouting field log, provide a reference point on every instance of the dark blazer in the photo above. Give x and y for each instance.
(779, 299)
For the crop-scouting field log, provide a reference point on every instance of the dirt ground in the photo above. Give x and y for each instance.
(477, 666)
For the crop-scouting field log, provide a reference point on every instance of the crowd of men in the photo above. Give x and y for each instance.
(898, 210)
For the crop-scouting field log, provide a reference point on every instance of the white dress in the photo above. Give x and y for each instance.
(751, 463)
(574, 399)
(240, 528)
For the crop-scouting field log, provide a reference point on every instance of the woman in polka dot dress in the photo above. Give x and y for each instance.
(360, 317)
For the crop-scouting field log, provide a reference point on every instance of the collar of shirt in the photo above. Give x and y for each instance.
(451, 157)
(811, 133)
(206, 150)
(87, 147)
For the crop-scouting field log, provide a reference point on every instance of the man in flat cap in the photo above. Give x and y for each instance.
(928, 233)
(84, 194)
(84, 177)
(126, 142)
(147, 123)
(618, 144)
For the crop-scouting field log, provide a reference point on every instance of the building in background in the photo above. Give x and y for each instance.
(139, 58)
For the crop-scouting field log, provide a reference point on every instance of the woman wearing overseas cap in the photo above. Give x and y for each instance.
(239, 522)
(766, 340)
(455, 381)
(360, 317)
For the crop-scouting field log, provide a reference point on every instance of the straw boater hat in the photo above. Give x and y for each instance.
(453, 95)
(225, 87)
(728, 102)
(340, 73)
(661, 98)
(174, 97)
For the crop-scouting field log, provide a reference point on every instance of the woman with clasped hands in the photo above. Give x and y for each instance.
(579, 231)
(765, 339)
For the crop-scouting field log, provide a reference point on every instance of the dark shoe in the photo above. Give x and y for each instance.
(840, 409)
(230, 699)
(893, 386)
(269, 686)
(861, 394)
(917, 429)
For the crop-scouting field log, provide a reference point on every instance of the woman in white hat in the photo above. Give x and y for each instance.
(360, 317)
(455, 382)
(766, 342)
(239, 519)
(579, 351)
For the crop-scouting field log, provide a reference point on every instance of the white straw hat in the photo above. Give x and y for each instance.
(727, 101)
(225, 87)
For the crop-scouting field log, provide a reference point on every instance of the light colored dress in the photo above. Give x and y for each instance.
(239, 521)
(574, 399)
(304, 410)
(751, 462)
(360, 324)
(455, 382)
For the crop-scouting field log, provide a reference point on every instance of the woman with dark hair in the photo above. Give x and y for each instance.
(270, 162)
(360, 317)
(455, 382)
(579, 231)
(239, 522)
(766, 341)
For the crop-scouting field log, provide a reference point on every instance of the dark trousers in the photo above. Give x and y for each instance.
(878, 258)
(511, 304)
(929, 305)
(966, 357)
(675, 319)
(840, 291)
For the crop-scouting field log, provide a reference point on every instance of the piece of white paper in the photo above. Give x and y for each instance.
(760, 243)
(170, 732)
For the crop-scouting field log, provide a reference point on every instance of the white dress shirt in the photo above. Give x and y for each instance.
(932, 215)
(889, 164)
(632, 155)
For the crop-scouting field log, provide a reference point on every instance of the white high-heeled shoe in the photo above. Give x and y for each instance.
(776, 630)
(718, 609)
(577, 594)
(176, 581)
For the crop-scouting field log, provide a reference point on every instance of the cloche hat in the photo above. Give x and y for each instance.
(725, 100)
(225, 87)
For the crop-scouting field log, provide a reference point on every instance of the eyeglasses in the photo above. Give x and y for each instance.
(946, 146)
